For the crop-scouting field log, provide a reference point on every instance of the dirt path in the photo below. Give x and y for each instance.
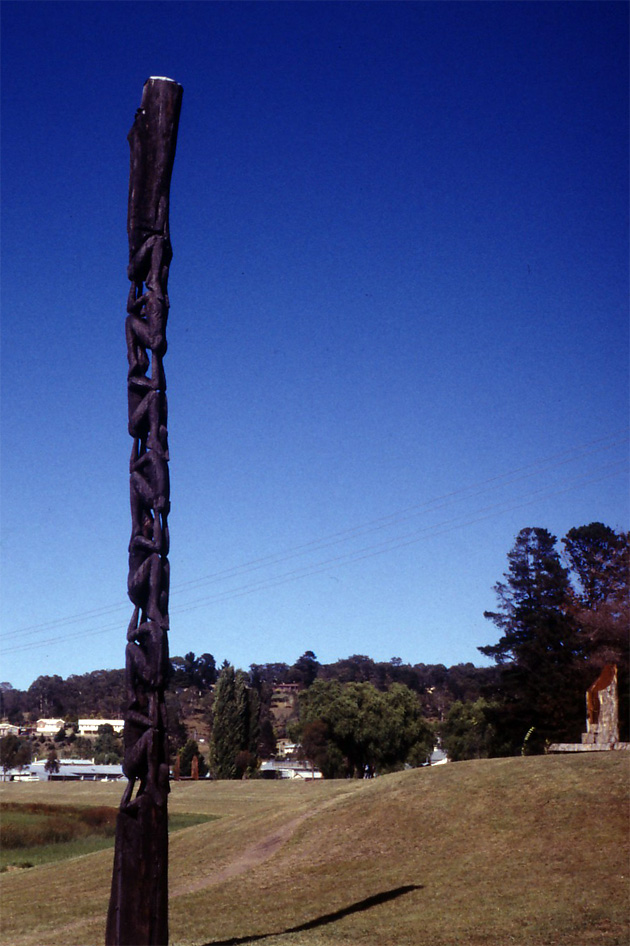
(250, 857)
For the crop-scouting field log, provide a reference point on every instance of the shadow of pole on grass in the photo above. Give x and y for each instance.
(358, 907)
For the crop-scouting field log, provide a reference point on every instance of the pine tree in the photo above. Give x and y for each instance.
(539, 653)
(223, 744)
(248, 713)
(598, 557)
(235, 725)
(305, 669)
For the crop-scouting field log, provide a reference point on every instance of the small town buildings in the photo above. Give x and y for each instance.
(87, 727)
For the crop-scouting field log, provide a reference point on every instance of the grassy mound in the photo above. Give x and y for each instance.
(526, 851)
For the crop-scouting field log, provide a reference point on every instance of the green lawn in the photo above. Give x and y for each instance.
(530, 851)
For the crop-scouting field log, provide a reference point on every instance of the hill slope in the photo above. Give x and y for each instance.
(524, 851)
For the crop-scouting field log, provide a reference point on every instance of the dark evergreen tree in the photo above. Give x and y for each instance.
(223, 747)
(539, 653)
(192, 671)
(267, 744)
(235, 726)
(82, 748)
(598, 558)
(248, 706)
(240, 735)
(598, 561)
(305, 669)
(205, 673)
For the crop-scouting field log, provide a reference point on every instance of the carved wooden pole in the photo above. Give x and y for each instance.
(138, 908)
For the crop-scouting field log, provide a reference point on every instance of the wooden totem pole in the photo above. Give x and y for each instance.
(138, 908)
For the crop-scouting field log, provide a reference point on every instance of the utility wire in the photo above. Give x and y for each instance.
(554, 461)
(384, 522)
(351, 557)
(400, 541)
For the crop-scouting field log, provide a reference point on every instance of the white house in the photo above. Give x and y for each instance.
(89, 727)
(48, 727)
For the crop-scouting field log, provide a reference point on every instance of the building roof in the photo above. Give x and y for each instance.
(77, 770)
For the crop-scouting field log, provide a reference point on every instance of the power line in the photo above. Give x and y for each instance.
(552, 462)
(396, 542)
(383, 522)
(351, 557)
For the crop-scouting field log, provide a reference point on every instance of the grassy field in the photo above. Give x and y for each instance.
(530, 851)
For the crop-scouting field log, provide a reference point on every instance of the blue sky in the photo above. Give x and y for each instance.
(398, 329)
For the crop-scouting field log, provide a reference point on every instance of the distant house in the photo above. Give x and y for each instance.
(438, 757)
(48, 726)
(90, 727)
(6, 729)
(274, 768)
(286, 749)
(286, 687)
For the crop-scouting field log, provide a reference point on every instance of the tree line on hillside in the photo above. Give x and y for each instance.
(102, 693)
(561, 615)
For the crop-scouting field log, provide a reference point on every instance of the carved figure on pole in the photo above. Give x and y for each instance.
(138, 908)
